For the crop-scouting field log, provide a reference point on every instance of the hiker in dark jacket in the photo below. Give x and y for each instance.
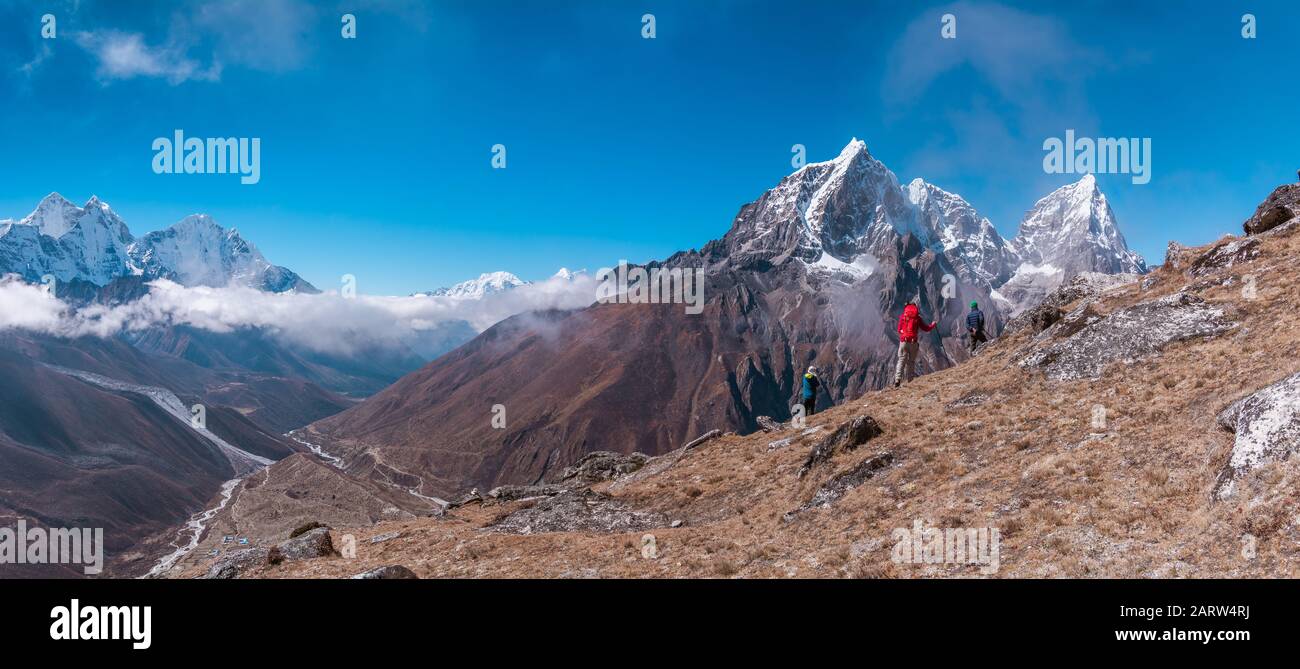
(975, 326)
(811, 384)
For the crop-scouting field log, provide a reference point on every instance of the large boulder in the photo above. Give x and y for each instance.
(235, 563)
(1282, 205)
(846, 437)
(1267, 429)
(1126, 336)
(311, 544)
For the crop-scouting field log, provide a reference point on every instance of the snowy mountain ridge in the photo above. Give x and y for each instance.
(829, 214)
(491, 283)
(93, 244)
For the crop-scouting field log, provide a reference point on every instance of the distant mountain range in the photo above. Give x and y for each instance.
(491, 283)
(92, 244)
(830, 215)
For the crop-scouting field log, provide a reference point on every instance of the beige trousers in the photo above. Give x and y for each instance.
(906, 369)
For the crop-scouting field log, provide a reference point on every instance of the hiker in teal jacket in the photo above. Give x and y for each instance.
(811, 384)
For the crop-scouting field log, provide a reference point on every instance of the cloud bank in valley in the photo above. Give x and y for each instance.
(327, 322)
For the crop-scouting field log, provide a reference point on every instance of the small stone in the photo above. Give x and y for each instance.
(395, 571)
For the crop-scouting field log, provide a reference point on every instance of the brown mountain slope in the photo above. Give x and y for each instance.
(639, 377)
(993, 443)
(75, 455)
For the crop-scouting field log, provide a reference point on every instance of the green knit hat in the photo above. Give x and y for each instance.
(974, 305)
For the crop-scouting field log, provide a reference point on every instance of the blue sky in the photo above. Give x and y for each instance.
(376, 152)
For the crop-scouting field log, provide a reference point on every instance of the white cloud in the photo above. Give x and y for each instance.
(1028, 78)
(204, 38)
(266, 35)
(29, 307)
(42, 54)
(125, 56)
(1023, 56)
(327, 323)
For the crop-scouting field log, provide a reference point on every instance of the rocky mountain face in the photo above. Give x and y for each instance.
(969, 241)
(1147, 462)
(815, 271)
(92, 244)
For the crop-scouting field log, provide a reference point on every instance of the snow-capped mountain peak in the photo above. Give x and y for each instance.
(93, 244)
(1069, 232)
(54, 215)
(196, 251)
(852, 149)
(829, 214)
(845, 207)
(486, 284)
(569, 275)
(1073, 228)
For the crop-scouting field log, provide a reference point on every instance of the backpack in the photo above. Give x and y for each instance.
(907, 323)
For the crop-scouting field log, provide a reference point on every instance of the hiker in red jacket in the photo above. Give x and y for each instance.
(908, 325)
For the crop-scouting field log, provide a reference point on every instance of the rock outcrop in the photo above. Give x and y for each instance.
(311, 544)
(846, 437)
(841, 484)
(1128, 335)
(1049, 311)
(602, 466)
(579, 511)
(1229, 253)
(509, 493)
(387, 572)
(236, 563)
(1282, 205)
(1267, 429)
